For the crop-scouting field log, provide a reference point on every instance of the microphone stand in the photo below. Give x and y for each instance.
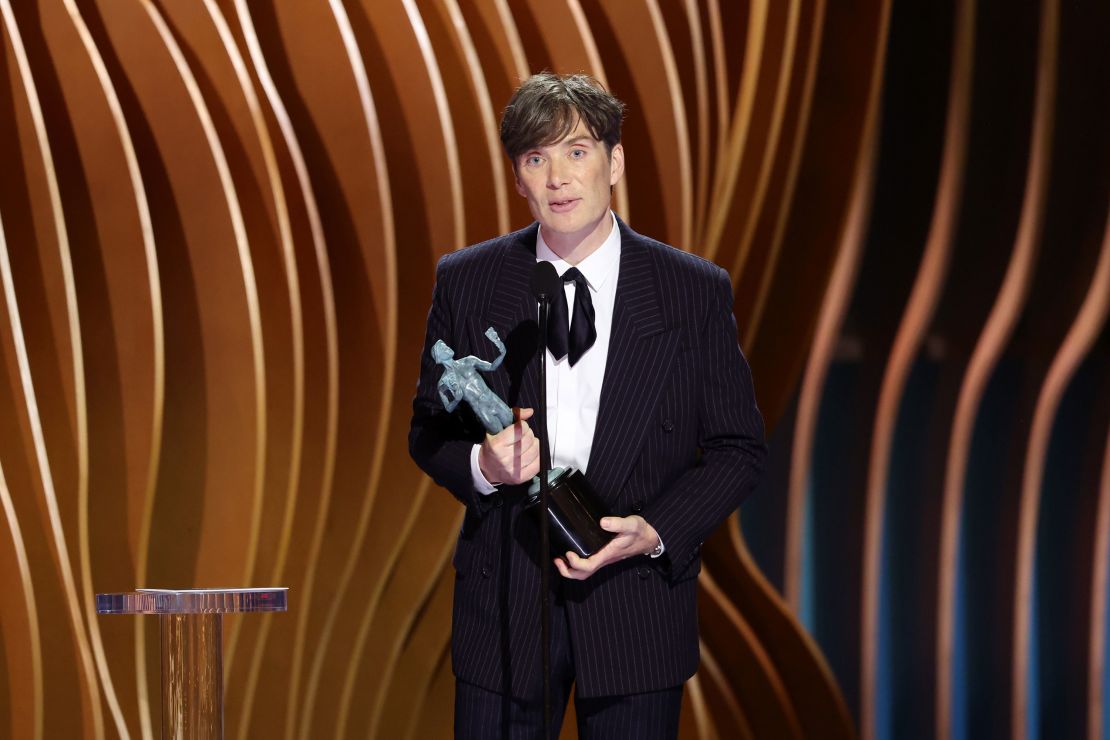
(545, 547)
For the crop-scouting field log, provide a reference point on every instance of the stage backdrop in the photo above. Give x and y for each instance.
(218, 226)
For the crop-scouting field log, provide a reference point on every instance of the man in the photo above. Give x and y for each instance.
(648, 394)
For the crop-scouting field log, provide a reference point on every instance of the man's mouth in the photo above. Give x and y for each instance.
(562, 205)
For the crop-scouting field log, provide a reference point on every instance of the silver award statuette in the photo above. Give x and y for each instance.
(461, 382)
(574, 509)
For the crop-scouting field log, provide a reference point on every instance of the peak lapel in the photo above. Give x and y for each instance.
(641, 352)
(512, 311)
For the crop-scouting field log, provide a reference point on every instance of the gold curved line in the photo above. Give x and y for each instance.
(727, 171)
(331, 338)
(793, 168)
(439, 93)
(512, 35)
(443, 660)
(620, 192)
(1077, 344)
(84, 652)
(277, 192)
(763, 180)
(25, 579)
(682, 130)
(712, 669)
(485, 110)
(589, 44)
(918, 314)
(963, 61)
(29, 601)
(73, 325)
(1100, 613)
(1082, 335)
(720, 88)
(829, 322)
(346, 693)
(389, 566)
(90, 667)
(397, 646)
(441, 666)
(751, 568)
(701, 97)
(703, 718)
(1000, 324)
(158, 341)
(82, 429)
(250, 289)
(370, 116)
(747, 635)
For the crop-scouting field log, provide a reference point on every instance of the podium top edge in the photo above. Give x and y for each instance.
(194, 601)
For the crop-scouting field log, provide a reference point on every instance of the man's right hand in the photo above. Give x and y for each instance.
(513, 454)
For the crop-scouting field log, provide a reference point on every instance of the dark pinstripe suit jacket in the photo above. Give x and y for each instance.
(679, 440)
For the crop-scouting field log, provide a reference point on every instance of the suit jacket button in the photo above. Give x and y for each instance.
(668, 425)
(643, 572)
(485, 571)
(637, 507)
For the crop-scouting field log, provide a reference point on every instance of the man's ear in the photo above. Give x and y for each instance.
(519, 187)
(616, 164)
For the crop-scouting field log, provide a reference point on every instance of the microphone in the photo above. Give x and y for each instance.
(545, 281)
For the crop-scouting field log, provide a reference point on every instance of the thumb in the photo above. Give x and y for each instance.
(614, 524)
(522, 414)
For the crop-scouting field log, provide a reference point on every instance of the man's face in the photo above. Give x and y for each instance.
(567, 185)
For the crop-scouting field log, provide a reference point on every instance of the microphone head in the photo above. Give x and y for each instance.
(545, 281)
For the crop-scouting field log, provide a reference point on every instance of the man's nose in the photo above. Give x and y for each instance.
(555, 175)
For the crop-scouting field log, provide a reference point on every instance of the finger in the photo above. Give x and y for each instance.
(580, 564)
(505, 437)
(530, 456)
(620, 524)
(530, 471)
(520, 414)
(562, 568)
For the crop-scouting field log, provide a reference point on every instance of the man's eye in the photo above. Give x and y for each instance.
(532, 161)
(577, 153)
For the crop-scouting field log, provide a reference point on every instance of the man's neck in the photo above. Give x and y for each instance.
(573, 248)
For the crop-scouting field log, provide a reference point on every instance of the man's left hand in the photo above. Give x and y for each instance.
(634, 537)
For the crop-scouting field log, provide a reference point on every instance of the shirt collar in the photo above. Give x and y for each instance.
(598, 268)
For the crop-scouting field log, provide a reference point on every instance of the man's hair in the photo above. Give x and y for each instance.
(546, 107)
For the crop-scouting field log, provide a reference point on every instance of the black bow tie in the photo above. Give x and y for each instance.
(578, 335)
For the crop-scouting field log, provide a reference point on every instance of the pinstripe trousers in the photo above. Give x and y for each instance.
(481, 714)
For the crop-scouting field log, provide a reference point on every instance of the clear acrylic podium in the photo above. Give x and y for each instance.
(192, 648)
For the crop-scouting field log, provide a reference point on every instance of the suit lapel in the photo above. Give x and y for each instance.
(512, 311)
(641, 353)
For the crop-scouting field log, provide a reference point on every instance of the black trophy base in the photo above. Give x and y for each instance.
(574, 514)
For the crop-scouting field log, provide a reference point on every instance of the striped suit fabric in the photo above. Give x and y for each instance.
(679, 440)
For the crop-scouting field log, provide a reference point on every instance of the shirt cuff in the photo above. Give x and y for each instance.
(659, 550)
(481, 485)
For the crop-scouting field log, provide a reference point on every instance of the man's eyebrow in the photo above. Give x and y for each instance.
(580, 139)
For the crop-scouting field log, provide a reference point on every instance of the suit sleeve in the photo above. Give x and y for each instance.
(730, 432)
(439, 442)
